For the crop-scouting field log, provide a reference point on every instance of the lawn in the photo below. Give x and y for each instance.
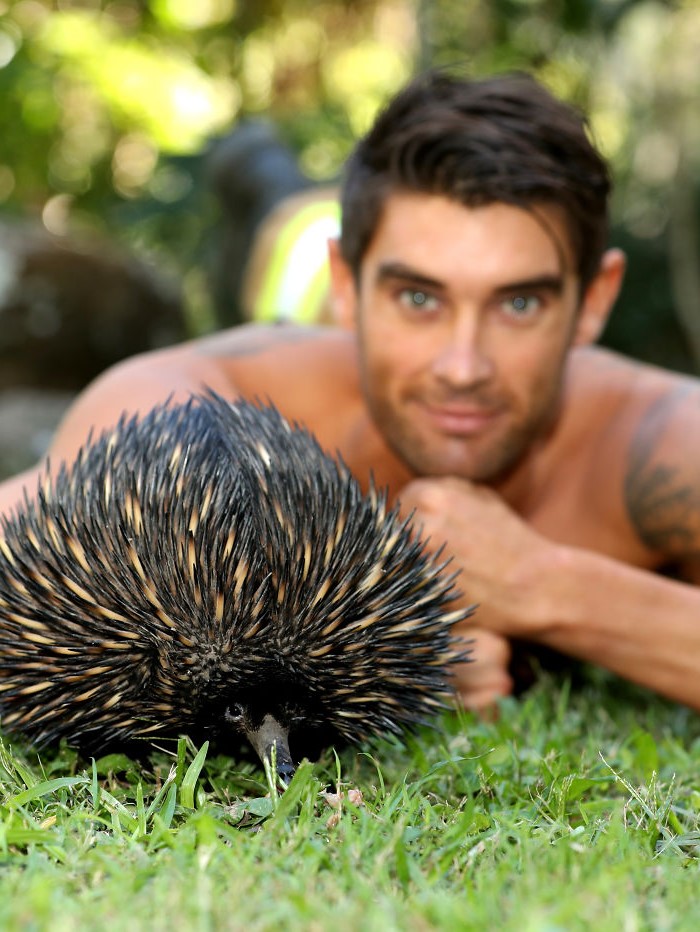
(576, 809)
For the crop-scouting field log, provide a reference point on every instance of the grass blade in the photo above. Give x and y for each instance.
(190, 779)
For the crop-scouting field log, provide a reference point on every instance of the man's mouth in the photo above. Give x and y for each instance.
(460, 418)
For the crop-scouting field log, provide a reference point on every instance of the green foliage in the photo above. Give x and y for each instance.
(572, 810)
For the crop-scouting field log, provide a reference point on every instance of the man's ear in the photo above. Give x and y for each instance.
(343, 288)
(600, 297)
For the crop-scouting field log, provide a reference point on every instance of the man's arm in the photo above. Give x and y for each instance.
(662, 479)
(635, 623)
(640, 625)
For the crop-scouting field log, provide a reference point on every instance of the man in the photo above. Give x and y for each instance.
(470, 280)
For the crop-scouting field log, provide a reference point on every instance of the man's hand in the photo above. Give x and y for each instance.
(482, 682)
(502, 561)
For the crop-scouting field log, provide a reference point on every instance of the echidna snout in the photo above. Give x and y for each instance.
(270, 740)
(206, 555)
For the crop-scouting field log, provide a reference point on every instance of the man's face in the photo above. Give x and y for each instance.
(464, 317)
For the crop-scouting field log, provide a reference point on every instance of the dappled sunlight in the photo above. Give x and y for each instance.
(363, 77)
(133, 163)
(159, 89)
(184, 14)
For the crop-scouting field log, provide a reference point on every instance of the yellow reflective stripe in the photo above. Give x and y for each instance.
(297, 276)
(317, 288)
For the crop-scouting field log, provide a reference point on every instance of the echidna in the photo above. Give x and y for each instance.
(208, 568)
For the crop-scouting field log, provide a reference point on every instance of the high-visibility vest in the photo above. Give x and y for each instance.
(295, 282)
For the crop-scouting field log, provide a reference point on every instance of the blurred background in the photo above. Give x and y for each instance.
(141, 144)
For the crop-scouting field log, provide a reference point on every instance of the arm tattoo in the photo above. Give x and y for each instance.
(663, 507)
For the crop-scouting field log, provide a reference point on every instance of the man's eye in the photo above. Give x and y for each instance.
(521, 305)
(415, 299)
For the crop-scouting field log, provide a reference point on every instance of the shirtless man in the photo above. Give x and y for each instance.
(470, 280)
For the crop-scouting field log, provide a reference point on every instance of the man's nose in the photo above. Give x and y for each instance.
(463, 360)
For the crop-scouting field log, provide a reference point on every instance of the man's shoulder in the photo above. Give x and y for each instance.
(256, 353)
(282, 339)
(651, 427)
(596, 360)
(628, 386)
(310, 373)
(634, 408)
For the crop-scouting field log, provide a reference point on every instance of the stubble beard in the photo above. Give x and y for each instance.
(483, 460)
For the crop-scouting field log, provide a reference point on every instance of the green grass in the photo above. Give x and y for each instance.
(575, 810)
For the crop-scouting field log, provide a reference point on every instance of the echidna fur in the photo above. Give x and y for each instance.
(209, 569)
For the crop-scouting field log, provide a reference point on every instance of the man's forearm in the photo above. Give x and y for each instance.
(635, 623)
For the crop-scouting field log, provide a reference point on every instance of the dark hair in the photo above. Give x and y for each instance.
(501, 139)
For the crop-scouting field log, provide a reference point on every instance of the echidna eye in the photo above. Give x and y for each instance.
(234, 714)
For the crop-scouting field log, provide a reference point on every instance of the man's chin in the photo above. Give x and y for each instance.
(485, 468)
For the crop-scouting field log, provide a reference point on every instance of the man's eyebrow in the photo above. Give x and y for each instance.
(551, 283)
(393, 271)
